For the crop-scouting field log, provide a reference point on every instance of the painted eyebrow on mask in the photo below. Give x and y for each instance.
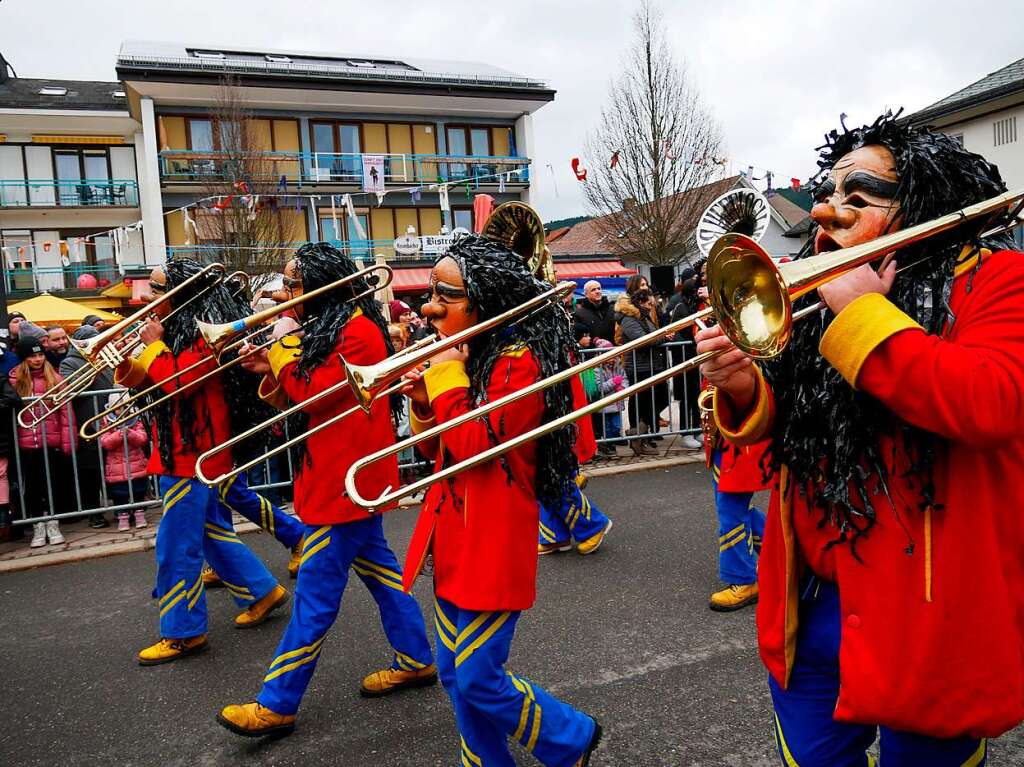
(862, 181)
(448, 291)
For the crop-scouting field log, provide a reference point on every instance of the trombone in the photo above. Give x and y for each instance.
(281, 416)
(109, 348)
(752, 299)
(217, 336)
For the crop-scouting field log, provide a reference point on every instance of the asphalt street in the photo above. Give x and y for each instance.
(624, 635)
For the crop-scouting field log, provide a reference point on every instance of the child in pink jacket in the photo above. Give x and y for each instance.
(125, 464)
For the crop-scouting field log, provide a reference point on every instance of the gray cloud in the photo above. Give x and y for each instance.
(777, 74)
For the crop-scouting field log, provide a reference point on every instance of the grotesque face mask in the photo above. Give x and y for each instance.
(157, 288)
(856, 203)
(448, 308)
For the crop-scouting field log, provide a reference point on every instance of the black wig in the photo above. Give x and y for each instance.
(497, 280)
(827, 433)
(181, 332)
(325, 317)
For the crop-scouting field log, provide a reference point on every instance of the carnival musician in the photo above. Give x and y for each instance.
(194, 524)
(891, 578)
(337, 328)
(481, 526)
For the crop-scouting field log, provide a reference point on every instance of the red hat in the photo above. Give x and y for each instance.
(398, 308)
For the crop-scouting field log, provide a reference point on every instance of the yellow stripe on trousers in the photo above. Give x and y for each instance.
(480, 640)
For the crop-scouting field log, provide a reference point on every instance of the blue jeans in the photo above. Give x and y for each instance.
(806, 734)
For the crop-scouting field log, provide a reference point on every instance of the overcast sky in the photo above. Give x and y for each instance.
(776, 73)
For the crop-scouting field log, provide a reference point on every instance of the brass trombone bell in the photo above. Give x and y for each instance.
(519, 228)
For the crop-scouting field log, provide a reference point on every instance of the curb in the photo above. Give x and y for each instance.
(148, 541)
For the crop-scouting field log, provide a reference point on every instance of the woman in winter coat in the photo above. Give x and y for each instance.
(43, 445)
(124, 463)
(635, 316)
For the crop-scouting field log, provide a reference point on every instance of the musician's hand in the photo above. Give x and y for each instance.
(732, 372)
(152, 331)
(416, 391)
(254, 361)
(287, 326)
(456, 353)
(842, 291)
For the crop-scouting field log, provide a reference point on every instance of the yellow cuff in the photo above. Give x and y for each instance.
(150, 353)
(444, 377)
(755, 426)
(270, 391)
(130, 376)
(417, 424)
(284, 352)
(858, 330)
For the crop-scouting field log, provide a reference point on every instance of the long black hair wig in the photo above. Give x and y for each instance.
(827, 433)
(497, 280)
(325, 316)
(181, 332)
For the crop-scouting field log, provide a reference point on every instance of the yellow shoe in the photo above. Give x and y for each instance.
(553, 548)
(210, 578)
(167, 650)
(594, 542)
(582, 480)
(293, 563)
(390, 680)
(733, 598)
(259, 612)
(255, 721)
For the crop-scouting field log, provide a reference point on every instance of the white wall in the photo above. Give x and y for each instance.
(978, 138)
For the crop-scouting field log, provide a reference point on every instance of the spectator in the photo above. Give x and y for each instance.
(636, 316)
(57, 345)
(679, 295)
(415, 327)
(594, 316)
(93, 320)
(610, 377)
(86, 405)
(686, 386)
(14, 319)
(397, 332)
(125, 462)
(9, 404)
(40, 446)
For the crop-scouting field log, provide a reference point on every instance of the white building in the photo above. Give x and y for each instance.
(68, 175)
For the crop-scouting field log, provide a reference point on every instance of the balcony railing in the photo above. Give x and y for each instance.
(276, 255)
(48, 193)
(185, 165)
(35, 279)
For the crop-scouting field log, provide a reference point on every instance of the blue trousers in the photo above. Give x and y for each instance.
(740, 528)
(194, 527)
(805, 732)
(327, 555)
(492, 704)
(236, 494)
(577, 517)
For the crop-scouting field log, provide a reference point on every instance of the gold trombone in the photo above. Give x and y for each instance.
(221, 339)
(110, 348)
(281, 416)
(752, 299)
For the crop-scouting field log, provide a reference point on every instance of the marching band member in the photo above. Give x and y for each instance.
(481, 526)
(339, 535)
(575, 517)
(194, 524)
(896, 426)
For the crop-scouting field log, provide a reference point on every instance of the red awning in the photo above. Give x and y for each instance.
(411, 279)
(574, 270)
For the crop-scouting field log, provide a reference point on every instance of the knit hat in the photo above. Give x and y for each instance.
(84, 332)
(603, 343)
(398, 308)
(30, 330)
(12, 315)
(91, 319)
(27, 346)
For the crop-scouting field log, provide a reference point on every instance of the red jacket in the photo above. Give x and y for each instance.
(933, 619)
(156, 364)
(481, 527)
(320, 489)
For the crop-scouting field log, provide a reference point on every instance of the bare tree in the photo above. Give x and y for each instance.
(664, 142)
(250, 227)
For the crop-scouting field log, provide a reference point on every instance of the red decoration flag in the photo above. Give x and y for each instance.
(795, 183)
(615, 158)
(581, 173)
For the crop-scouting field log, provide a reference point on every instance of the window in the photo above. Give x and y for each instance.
(347, 232)
(118, 94)
(277, 58)
(53, 91)
(363, 64)
(336, 147)
(83, 177)
(468, 141)
(1004, 131)
(463, 218)
(208, 54)
(200, 133)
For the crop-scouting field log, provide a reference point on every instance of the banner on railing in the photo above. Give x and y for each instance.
(373, 173)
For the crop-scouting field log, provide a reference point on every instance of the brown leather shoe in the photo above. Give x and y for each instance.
(389, 680)
(260, 611)
(254, 721)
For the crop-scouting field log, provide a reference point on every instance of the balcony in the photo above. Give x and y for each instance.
(187, 166)
(23, 282)
(46, 193)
